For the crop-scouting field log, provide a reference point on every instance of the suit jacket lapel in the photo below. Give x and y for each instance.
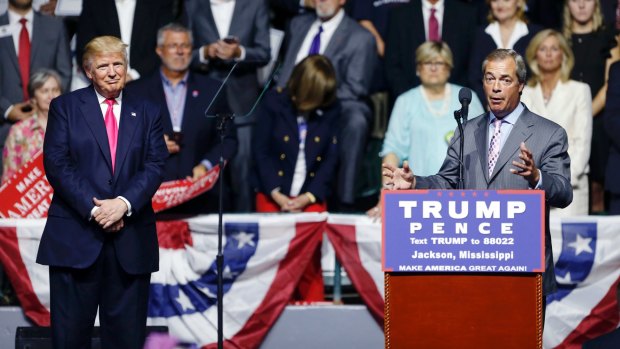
(341, 33)
(137, 32)
(130, 119)
(298, 38)
(520, 133)
(236, 18)
(210, 23)
(418, 26)
(94, 119)
(481, 135)
(190, 104)
(7, 42)
(111, 17)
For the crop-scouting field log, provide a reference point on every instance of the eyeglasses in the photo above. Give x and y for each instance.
(428, 65)
(174, 47)
(504, 81)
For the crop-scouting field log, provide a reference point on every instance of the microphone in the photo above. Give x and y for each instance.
(465, 99)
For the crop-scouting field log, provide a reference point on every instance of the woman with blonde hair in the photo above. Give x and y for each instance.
(552, 94)
(594, 47)
(508, 28)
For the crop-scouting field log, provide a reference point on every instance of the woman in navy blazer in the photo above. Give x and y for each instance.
(507, 28)
(295, 152)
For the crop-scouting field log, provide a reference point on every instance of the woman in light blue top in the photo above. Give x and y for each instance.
(422, 121)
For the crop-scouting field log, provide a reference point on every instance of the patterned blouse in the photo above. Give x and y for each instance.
(25, 139)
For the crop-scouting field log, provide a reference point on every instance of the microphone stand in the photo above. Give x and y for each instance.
(221, 121)
(461, 180)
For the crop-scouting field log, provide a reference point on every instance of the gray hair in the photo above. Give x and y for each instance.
(173, 27)
(40, 77)
(501, 54)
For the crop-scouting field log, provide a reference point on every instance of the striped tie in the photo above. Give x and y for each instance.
(495, 145)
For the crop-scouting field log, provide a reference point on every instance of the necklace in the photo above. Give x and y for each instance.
(445, 104)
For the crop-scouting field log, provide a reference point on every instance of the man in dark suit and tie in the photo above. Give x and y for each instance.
(495, 153)
(351, 50)
(28, 41)
(192, 138)
(104, 155)
(612, 127)
(409, 26)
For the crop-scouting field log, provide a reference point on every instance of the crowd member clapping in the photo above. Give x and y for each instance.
(422, 122)
(507, 28)
(25, 138)
(551, 93)
(593, 45)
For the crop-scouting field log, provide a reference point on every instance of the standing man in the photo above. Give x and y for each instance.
(104, 155)
(495, 153)
(191, 138)
(612, 127)
(351, 50)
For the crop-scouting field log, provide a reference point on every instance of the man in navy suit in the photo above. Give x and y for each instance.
(104, 156)
(612, 126)
(191, 138)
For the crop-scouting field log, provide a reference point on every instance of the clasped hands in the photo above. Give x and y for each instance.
(222, 50)
(288, 204)
(109, 214)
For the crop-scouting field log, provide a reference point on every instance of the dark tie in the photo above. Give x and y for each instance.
(24, 57)
(433, 27)
(111, 129)
(315, 47)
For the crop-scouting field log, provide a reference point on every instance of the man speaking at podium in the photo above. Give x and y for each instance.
(507, 148)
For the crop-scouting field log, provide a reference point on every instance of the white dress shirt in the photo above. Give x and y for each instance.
(426, 14)
(329, 28)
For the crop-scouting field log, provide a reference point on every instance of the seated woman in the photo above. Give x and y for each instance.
(422, 121)
(551, 93)
(25, 138)
(295, 153)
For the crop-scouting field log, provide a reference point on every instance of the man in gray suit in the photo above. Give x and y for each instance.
(351, 49)
(228, 31)
(48, 47)
(495, 153)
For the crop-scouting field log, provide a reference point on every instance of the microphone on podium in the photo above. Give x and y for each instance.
(465, 99)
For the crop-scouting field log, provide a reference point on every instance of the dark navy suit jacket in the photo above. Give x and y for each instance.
(78, 166)
(200, 139)
(276, 146)
(612, 126)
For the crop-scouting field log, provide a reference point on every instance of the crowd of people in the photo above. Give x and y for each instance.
(348, 71)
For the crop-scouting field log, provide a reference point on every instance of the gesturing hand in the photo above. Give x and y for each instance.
(527, 167)
(398, 178)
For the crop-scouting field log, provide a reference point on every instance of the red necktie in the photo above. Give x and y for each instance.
(24, 57)
(433, 27)
(111, 129)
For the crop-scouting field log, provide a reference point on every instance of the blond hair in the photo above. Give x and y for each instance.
(100, 45)
(597, 19)
(431, 49)
(313, 83)
(520, 11)
(568, 59)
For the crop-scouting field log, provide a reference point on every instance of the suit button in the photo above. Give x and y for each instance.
(282, 156)
(280, 173)
(286, 138)
(109, 181)
(317, 139)
(311, 174)
(318, 158)
(335, 140)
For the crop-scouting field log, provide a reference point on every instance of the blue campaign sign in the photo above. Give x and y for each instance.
(463, 231)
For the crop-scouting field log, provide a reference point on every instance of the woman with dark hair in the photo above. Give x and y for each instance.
(507, 28)
(593, 45)
(25, 138)
(295, 152)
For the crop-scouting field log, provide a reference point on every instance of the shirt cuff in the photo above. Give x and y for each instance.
(8, 110)
(201, 56)
(133, 73)
(242, 55)
(128, 205)
(92, 212)
(539, 185)
(207, 164)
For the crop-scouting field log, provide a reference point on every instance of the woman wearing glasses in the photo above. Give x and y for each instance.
(422, 121)
(551, 93)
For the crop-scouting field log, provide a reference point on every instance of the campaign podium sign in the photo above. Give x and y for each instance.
(463, 268)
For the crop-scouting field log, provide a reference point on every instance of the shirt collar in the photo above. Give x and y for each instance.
(510, 118)
(102, 99)
(169, 83)
(427, 5)
(14, 17)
